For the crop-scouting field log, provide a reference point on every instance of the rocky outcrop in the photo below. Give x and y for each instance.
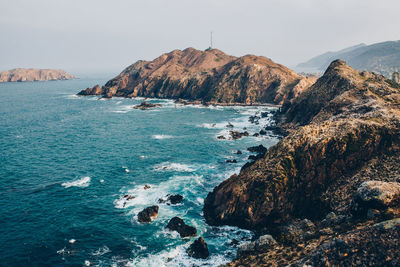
(177, 224)
(30, 75)
(340, 157)
(341, 123)
(210, 77)
(198, 249)
(148, 214)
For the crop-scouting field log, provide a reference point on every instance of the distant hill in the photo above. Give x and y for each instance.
(382, 58)
(30, 75)
(209, 76)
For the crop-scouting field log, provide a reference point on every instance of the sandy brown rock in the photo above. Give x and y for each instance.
(208, 77)
(29, 75)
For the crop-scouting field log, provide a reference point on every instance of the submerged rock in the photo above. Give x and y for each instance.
(171, 199)
(144, 105)
(148, 214)
(177, 224)
(198, 249)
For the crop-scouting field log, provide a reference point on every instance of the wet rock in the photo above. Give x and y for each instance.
(129, 197)
(231, 161)
(261, 244)
(264, 114)
(144, 105)
(147, 187)
(238, 152)
(198, 249)
(254, 119)
(221, 137)
(234, 242)
(229, 125)
(258, 149)
(256, 135)
(148, 214)
(237, 135)
(177, 224)
(171, 199)
(262, 132)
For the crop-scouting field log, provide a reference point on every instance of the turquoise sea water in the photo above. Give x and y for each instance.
(66, 162)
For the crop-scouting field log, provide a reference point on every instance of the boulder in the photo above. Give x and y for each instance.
(198, 249)
(148, 214)
(261, 244)
(378, 194)
(177, 224)
(147, 187)
(231, 161)
(297, 231)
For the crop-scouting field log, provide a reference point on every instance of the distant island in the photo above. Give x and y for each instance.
(208, 77)
(31, 75)
(382, 58)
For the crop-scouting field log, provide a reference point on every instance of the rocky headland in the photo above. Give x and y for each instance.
(328, 193)
(31, 75)
(208, 77)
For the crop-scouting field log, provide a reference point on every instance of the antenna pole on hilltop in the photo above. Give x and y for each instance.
(211, 40)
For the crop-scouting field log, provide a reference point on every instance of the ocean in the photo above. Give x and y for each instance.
(67, 162)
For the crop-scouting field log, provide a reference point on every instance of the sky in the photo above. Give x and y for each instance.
(89, 36)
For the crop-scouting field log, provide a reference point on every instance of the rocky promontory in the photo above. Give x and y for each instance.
(328, 192)
(210, 76)
(30, 75)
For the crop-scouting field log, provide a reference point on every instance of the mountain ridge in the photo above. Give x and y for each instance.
(382, 58)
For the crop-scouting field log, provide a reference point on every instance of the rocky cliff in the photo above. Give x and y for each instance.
(209, 76)
(344, 136)
(29, 75)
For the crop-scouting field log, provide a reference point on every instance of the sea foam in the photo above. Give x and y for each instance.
(83, 182)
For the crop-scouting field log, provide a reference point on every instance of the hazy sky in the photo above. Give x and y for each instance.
(100, 35)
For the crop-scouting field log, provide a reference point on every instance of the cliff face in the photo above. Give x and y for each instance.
(209, 76)
(349, 118)
(25, 75)
(343, 131)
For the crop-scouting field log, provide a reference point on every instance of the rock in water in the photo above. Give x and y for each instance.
(177, 224)
(148, 214)
(173, 199)
(144, 105)
(198, 249)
